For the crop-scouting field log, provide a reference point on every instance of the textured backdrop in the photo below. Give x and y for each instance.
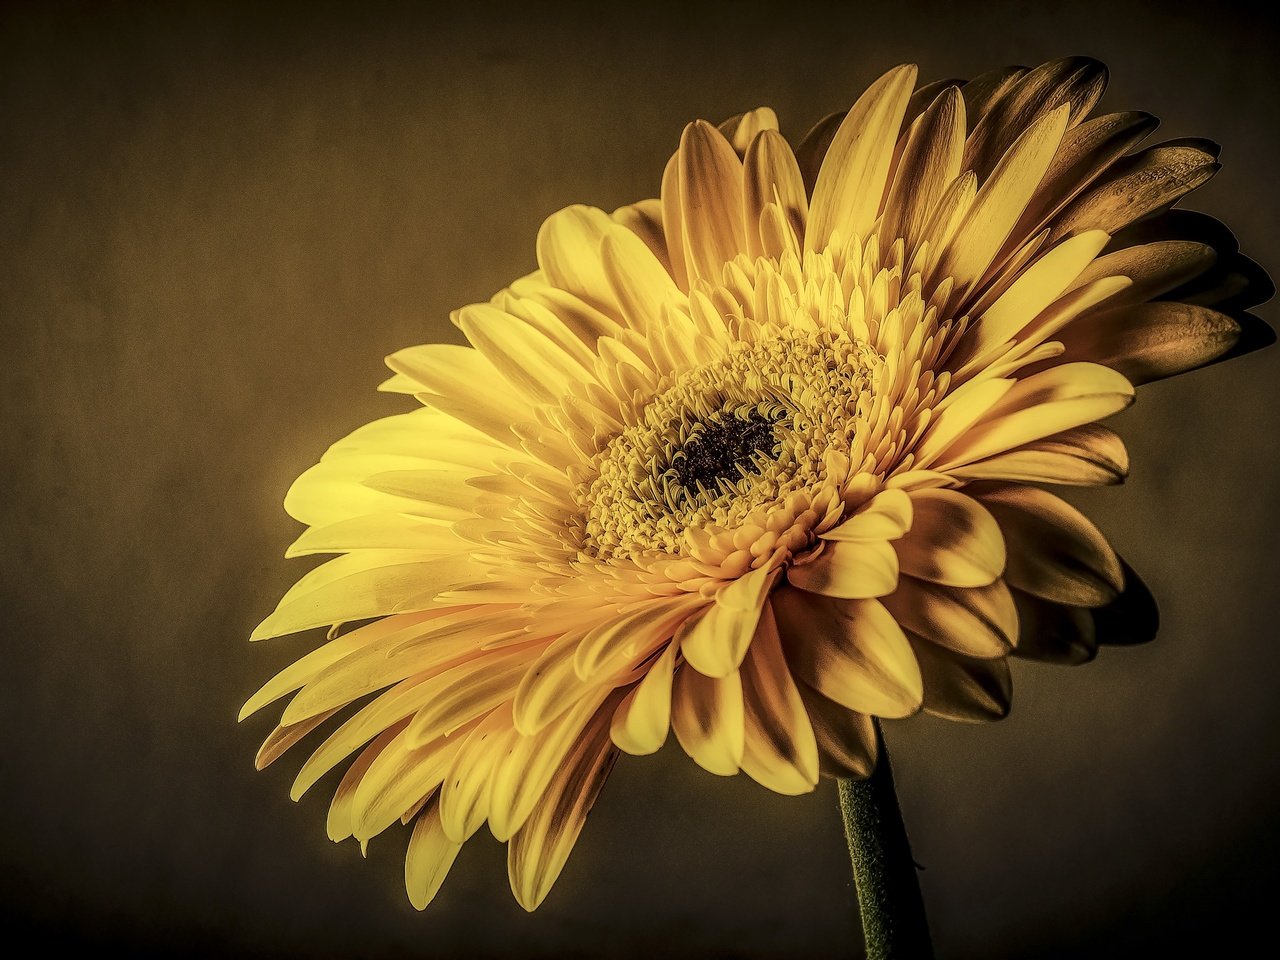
(215, 221)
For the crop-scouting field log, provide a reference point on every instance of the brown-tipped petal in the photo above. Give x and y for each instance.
(1053, 632)
(978, 622)
(1155, 178)
(1075, 83)
(1130, 618)
(851, 651)
(1151, 341)
(568, 249)
(930, 162)
(886, 516)
(985, 91)
(963, 688)
(710, 200)
(538, 852)
(851, 183)
(1054, 551)
(707, 717)
(1155, 268)
(430, 855)
(846, 739)
(1086, 153)
(953, 541)
(851, 570)
(1091, 455)
(780, 751)
(641, 722)
(771, 175)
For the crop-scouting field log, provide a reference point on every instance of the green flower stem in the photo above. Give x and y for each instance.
(893, 920)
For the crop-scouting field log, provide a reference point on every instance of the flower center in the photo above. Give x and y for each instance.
(724, 448)
(736, 442)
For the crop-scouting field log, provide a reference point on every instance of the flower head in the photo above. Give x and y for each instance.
(752, 462)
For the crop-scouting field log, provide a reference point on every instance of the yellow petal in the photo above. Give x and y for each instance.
(549, 687)
(464, 692)
(979, 622)
(851, 182)
(851, 651)
(641, 285)
(851, 570)
(522, 776)
(671, 225)
(464, 792)
(641, 722)
(285, 736)
(537, 853)
(430, 855)
(716, 642)
(357, 586)
(953, 541)
(339, 823)
(771, 175)
(1039, 286)
(536, 365)
(1054, 551)
(742, 130)
(1001, 200)
(1057, 399)
(400, 776)
(710, 200)
(300, 672)
(780, 751)
(414, 650)
(1089, 455)
(886, 516)
(568, 248)
(622, 639)
(707, 717)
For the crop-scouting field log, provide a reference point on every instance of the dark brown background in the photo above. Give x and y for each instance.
(215, 222)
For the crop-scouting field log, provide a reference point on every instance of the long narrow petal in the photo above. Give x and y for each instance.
(710, 200)
(538, 852)
(846, 738)
(930, 162)
(716, 642)
(963, 688)
(430, 855)
(851, 182)
(780, 750)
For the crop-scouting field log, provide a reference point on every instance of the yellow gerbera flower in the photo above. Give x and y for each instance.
(749, 462)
